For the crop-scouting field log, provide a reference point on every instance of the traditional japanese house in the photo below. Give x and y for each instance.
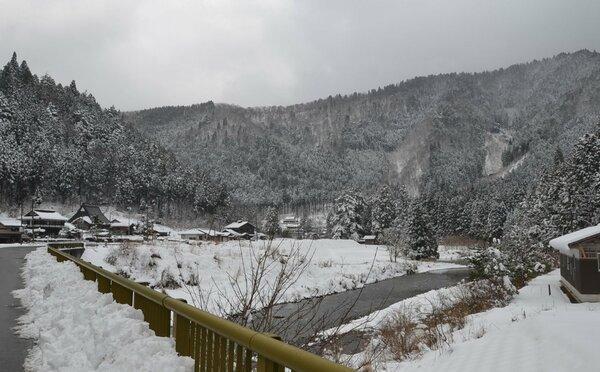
(10, 230)
(44, 222)
(241, 227)
(93, 212)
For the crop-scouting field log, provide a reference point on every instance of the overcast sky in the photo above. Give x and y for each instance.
(139, 54)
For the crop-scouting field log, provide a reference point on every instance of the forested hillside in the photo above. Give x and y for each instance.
(58, 144)
(463, 134)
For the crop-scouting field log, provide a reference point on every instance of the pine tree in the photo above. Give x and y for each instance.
(422, 241)
(383, 210)
(348, 217)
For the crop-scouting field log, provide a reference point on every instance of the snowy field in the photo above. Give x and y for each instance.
(331, 266)
(76, 328)
(535, 332)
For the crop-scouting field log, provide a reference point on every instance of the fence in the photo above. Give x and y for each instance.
(214, 343)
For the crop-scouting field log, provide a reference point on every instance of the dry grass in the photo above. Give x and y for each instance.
(409, 331)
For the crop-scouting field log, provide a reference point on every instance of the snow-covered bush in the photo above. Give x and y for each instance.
(489, 263)
(122, 254)
(518, 264)
(168, 280)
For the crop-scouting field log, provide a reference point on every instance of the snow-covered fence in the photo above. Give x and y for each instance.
(216, 344)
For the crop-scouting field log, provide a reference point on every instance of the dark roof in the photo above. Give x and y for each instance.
(92, 211)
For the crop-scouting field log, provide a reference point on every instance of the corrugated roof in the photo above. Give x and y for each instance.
(562, 243)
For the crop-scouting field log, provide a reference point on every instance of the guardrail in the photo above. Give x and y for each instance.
(214, 343)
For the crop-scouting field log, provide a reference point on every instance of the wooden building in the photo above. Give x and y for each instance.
(241, 227)
(120, 228)
(93, 213)
(10, 230)
(82, 223)
(204, 234)
(291, 227)
(44, 222)
(580, 263)
(369, 239)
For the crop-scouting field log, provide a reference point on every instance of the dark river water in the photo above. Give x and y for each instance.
(299, 320)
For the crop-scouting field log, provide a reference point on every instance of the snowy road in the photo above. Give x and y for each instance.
(13, 349)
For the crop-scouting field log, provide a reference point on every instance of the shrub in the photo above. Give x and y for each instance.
(400, 334)
(409, 330)
(168, 280)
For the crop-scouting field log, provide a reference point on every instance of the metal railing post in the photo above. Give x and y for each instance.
(266, 365)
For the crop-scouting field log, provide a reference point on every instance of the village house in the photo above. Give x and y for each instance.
(580, 263)
(204, 234)
(10, 230)
(161, 230)
(290, 226)
(120, 228)
(192, 234)
(83, 223)
(241, 228)
(44, 222)
(89, 215)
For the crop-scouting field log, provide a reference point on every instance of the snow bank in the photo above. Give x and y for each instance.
(536, 332)
(76, 328)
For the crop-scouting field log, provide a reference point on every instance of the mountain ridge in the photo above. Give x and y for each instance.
(364, 139)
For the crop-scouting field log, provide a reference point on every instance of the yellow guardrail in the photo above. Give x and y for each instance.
(216, 344)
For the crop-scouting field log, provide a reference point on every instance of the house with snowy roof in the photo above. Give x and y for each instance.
(580, 263)
(121, 228)
(240, 227)
(204, 234)
(10, 230)
(44, 221)
(91, 215)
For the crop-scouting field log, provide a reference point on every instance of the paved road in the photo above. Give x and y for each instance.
(12, 348)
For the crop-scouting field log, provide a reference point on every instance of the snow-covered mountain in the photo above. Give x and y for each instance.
(444, 131)
(58, 144)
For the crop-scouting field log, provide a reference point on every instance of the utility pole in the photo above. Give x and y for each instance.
(32, 228)
(21, 227)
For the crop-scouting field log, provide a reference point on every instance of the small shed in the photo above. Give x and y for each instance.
(369, 239)
(120, 228)
(580, 263)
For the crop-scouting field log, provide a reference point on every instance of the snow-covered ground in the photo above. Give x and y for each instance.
(76, 328)
(537, 331)
(333, 266)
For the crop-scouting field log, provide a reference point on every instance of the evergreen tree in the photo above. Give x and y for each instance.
(422, 241)
(271, 226)
(348, 217)
(383, 210)
(306, 224)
